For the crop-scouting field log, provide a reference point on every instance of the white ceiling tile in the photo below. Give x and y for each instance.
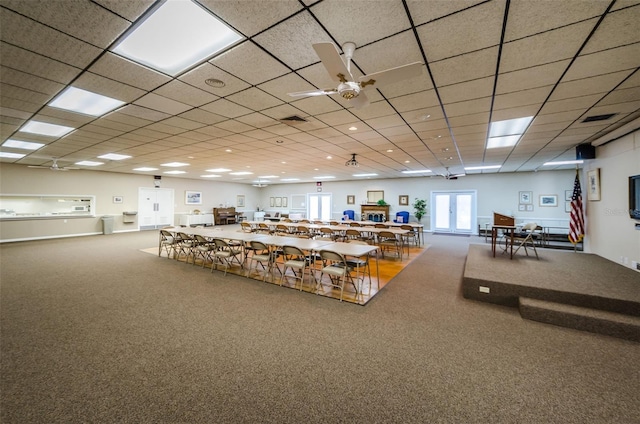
(226, 108)
(185, 93)
(119, 69)
(538, 76)
(250, 63)
(470, 66)
(162, 104)
(37, 65)
(254, 98)
(425, 11)
(618, 59)
(616, 29)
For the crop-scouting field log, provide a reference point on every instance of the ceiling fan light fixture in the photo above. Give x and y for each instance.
(352, 162)
(349, 90)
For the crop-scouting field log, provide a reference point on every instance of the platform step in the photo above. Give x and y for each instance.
(585, 319)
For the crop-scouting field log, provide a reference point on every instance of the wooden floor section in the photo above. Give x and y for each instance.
(388, 268)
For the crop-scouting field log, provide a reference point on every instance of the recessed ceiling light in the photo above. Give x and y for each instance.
(174, 164)
(241, 173)
(175, 172)
(89, 163)
(389, 150)
(507, 133)
(329, 157)
(210, 176)
(43, 128)
(283, 162)
(176, 36)
(85, 102)
(10, 155)
(478, 168)
(114, 156)
(563, 162)
(218, 170)
(417, 171)
(215, 83)
(269, 176)
(18, 144)
(407, 161)
(227, 150)
(353, 128)
(290, 179)
(145, 168)
(324, 177)
(364, 175)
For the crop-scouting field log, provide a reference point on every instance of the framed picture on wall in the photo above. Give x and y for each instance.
(548, 200)
(529, 208)
(593, 184)
(193, 197)
(117, 199)
(272, 201)
(240, 201)
(526, 198)
(403, 200)
(351, 199)
(285, 202)
(278, 202)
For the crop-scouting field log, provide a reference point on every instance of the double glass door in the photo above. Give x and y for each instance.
(453, 212)
(319, 207)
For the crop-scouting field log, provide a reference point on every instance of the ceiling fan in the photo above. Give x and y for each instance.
(53, 167)
(340, 72)
(449, 176)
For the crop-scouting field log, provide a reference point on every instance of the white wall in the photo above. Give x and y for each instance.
(611, 232)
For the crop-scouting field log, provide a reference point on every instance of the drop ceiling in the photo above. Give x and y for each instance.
(484, 61)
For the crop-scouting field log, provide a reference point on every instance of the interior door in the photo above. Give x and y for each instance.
(453, 212)
(319, 207)
(155, 208)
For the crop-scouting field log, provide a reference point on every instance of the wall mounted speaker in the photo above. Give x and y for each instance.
(585, 151)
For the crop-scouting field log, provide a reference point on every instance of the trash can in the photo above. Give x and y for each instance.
(107, 224)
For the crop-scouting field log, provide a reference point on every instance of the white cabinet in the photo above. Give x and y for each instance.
(258, 216)
(200, 219)
(155, 207)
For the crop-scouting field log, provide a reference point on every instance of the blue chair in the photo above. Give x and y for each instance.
(350, 214)
(402, 217)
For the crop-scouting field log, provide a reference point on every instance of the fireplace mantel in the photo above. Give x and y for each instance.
(375, 213)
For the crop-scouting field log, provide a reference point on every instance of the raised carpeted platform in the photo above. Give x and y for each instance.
(576, 290)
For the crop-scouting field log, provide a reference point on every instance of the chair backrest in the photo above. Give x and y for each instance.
(408, 227)
(329, 255)
(246, 227)
(201, 240)
(277, 214)
(350, 214)
(402, 217)
(355, 224)
(326, 230)
(381, 226)
(386, 235)
(166, 235)
(292, 251)
(353, 232)
(530, 226)
(258, 245)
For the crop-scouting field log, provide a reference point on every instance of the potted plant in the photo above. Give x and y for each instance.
(381, 202)
(420, 207)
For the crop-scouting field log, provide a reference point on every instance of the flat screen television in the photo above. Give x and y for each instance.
(634, 197)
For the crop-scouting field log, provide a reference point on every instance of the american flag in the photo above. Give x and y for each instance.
(576, 221)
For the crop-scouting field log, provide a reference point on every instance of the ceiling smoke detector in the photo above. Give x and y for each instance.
(352, 161)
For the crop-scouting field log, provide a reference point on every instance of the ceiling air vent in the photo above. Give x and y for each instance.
(599, 117)
(293, 119)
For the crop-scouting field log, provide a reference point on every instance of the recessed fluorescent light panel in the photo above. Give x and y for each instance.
(290, 179)
(324, 177)
(145, 169)
(26, 145)
(42, 128)
(174, 164)
(89, 163)
(210, 176)
(218, 170)
(364, 175)
(176, 36)
(85, 102)
(479, 168)
(563, 162)
(10, 155)
(418, 171)
(175, 172)
(507, 133)
(114, 156)
(241, 173)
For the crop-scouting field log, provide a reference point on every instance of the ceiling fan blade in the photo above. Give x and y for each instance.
(330, 57)
(360, 101)
(313, 92)
(392, 75)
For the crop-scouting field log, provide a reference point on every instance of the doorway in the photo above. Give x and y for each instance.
(453, 212)
(319, 207)
(155, 206)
